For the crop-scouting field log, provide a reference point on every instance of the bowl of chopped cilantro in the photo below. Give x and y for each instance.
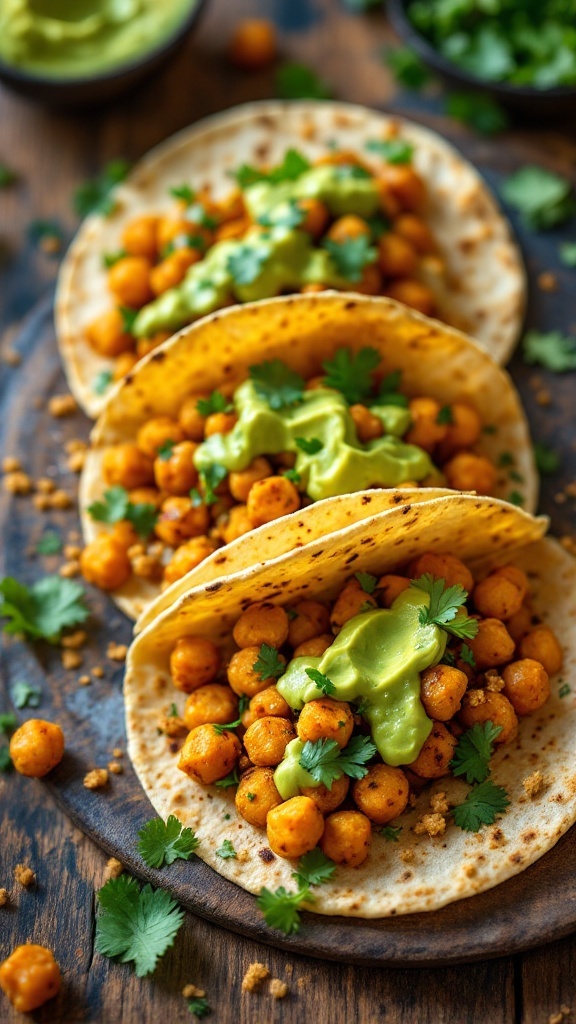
(522, 52)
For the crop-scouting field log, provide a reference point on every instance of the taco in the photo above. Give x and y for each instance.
(326, 195)
(256, 411)
(381, 710)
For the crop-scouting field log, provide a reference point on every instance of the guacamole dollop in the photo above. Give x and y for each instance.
(67, 38)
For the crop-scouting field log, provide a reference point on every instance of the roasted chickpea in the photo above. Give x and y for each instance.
(498, 597)
(146, 496)
(541, 645)
(441, 690)
(396, 256)
(125, 362)
(347, 838)
(191, 419)
(139, 236)
(156, 432)
(527, 685)
(105, 563)
(382, 794)
(127, 466)
(240, 481)
(520, 624)
(462, 432)
(495, 708)
(30, 976)
(294, 827)
(172, 270)
(257, 795)
(368, 426)
(326, 718)
(328, 800)
(442, 567)
(405, 185)
(426, 431)
(187, 557)
(177, 474)
(266, 740)
(312, 619)
(180, 519)
(271, 498)
(253, 44)
(349, 603)
(233, 229)
(414, 294)
(108, 336)
(124, 534)
(416, 231)
(492, 644)
(347, 227)
(389, 587)
(129, 281)
(194, 662)
(37, 747)
(371, 281)
(469, 472)
(261, 624)
(316, 216)
(242, 675)
(434, 758)
(220, 423)
(267, 703)
(208, 755)
(211, 703)
(315, 647)
(235, 524)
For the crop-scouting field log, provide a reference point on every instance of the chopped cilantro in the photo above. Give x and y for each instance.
(210, 479)
(226, 851)
(481, 112)
(445, 416)
(481, 807)
(173, 713)
(395, 151)
(351, 374)
(43, 610)
(229, 780)
(268, 664)
(198, 215)
(567, 254)
(184, 240)
(564, 690)
(160, 843)
(467, 656)
(390, 832)
(280, 908)
(109, 259)
(326, 762)
(292, 475)
(293, 165)
(277, 384)
(96, 196)
(288, 215)
(543, 198)
(250, 796)
(25, 696)
(165, 450)
(322, 682)
(448, 659)
(362, 706)
(311, 446)
(351, 256)
(407, 68)
(389, 393)
(516, 498)
(295, 81)
(474, 750)
(7, 176)
(5, 759)
(183, 192)
(102, 381)
(505, 459)
(313, 869)
(136, 924)
(49, 544)
(7, 723)
(367, 581)
(292, 614)
(116, 506)
(215, 403)
(547, 460)
(198, 1007)
(553, 350)
(516, 476)
(343, 172)
(128, 318)
(242, 705)
(445, 603)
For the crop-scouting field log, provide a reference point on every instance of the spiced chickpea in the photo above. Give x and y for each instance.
(194, 662)
(405, 185)
(526, 685)
(382, 794)
(271, 498)
(242, 675)
(368, 426)
(30, 976)
(129, 281)
(261, 624)
(125, 465)
(156, 432)
(235, 524)
(315, 647)
(520, 623)
(267, 703)
(469, 472)
(220, 423)
(294, 827)
(326, 718)
(191, 419)
(350, 602)
(179, 519)
(139, 236)
(172, 270)
(105, 563)
(416, 231)
(541, 645)
(434, 758)
(257, 795)
(316, 216)
(241, 481)
(442, 566)
(492, 644)
(441, 690)
(426, 431)
(208, 755)
(414, 294)
(371, 281)
(177, 474)
(210, 703)
(347, 838)
(389, 587)
(463, 430)
(124, 534)
(125, 362)
(396, 256)
(347, 227)
(146, 496)
(108, 336)
(187, 557)
(253, 44)
(266, 740)
(37, 747)
(497, 597)
(328, 800)
(312, 618)
(495, 708)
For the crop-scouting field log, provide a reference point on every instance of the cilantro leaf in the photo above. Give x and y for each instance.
(128, 318)
(564, 690)
(43, 610)
(215, 403)
(136, 924)
(367, 581)
(210, 478)
(246, 175)
(198, 1006)
(322, 682)
(467, 656)
(295, 81)
(25, 696)
(277, 384)
(326, 762)
(183, 192)
(363, 706)
(351, 256)
(95, 196)
(293, 165)
(226, 851)
(117, 506)
(481, 807)
(5, 760)
(481, 112)
(288, 215)
(268, 664)
(197, 214)
(389, 393)
(445, 416)
(390, 832)
(292, 475)
(102, 381)
(160, 843)
(280, 908)
(351, 374)
(111, 258)
(343, 172)
(543, 198)
(313, 869)
(407, 68)
(445, 603)
(230, 780)
(246, 262)
(353, 758)
(395, 151)
(165, 450)
(553, 350)
(516, 498)
(568, 254)
(7, 723)
(311, 445)
(474, 750)
(173, 713)
(547, 460)
(49, 544)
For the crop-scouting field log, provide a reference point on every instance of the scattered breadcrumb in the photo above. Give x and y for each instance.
(45, 485)
(75, 640)
(42, 502)
(547, 282)
(117, 652)
(76, 460)
(96, 779)
(534, 784)
(570, 489)
(71, 660)
(566, 1010)
(24, 875)
(17, 483)
(556, 1018)
(171, 725)
(543, 397)
(407, 856)
(115, 768)
(146, 566)
(84, 680)
(560, 498)
(412, 799)
(117, 752)
(72, 552)
(439, 803)
(433, 824)
(278, 989)
(476, 697)
(113, 869)
(3, 897)
(11, 357)
(569, 544)
(61, 500)
(493, 681)
(73, 536)
(192, 992)
(69, 570)
(98, 672)
(62, 405)
(10, 464)
(255, 975)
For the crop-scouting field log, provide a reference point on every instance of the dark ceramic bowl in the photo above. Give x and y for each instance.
(93, 89)
(526, 101)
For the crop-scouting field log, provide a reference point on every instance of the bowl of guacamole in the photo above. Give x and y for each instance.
(90, 50)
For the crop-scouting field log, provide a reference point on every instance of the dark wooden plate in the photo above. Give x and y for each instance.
(535, 907)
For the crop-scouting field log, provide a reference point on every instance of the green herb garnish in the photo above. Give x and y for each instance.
(49, 544)
(351, 374)
(280, 908)
(25, 696)
(160, 843)
(277, 384)
(297, 82)
(445, 603)
(215, 403)
(43, 610)
(226, 851)
(313, 869)
(394, 151)
(96, 196)
(116, 505)
(311, 446)
(321, 681)
(543, 198)
(136, 924)
(553, 350)
(474, 750)
(351, 256)
(326, 762)
(481, 807)
(268, 664)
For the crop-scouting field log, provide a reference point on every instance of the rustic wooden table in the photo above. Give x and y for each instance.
(52, 152)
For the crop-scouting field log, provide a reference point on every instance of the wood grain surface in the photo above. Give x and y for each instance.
(53, 152)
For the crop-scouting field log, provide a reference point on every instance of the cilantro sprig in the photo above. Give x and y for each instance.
(246, 262)
(313, 869)
(474, 750)
(351, 256)
(543, 198)
(296, 81)
(394, 151)
(24, 695)
(481, 807)
(216, 402)
(551, 349)
(136, 924)
(390, 832)
(96, 196)
(162, 843)
(226, 851)
(280, 908)
(311, 446)
(268, 664)
(116, 505)
(445, 603)
(326, 763)
(45, 609)
(199, 1007)
(321, 681)
(49, 544)
(367, 581)
(351, 373)
(277, 384)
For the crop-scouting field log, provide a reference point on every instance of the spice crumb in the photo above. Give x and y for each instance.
(71, 660)
(84, 681)
(75, 640)
(17, 483)
(3, 897)
(113, 869)
(11, 465)
(439, 803)
(476, 697)
(433, 824)
(117, 752)
(115, 768)
(11, 357)
(62, 405)
(534, 784)
(98, 672)
(72, 552)
(255, 975)
(171, 725)
(278, 989)
(96, 779)
(45, 485)
(193, 992)
(407, 856)
(24, 875)
(543, 397)
(117, 652)
(61, 500)
(493, 681)
(547, 282)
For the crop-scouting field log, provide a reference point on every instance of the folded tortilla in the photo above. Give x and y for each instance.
(416, 873)
(484, 289)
